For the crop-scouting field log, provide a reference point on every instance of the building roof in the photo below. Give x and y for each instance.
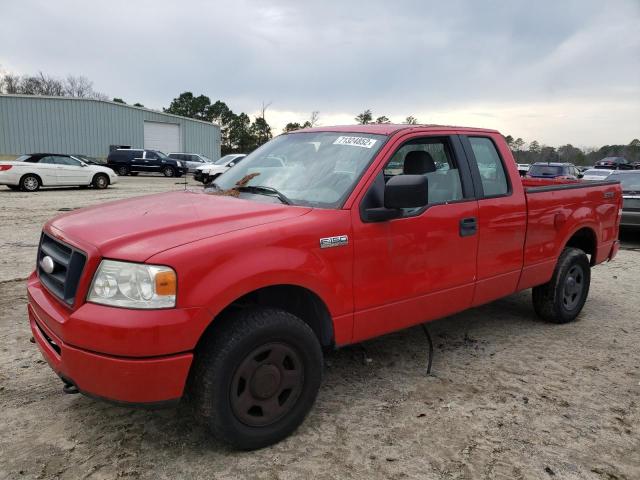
(123, 105)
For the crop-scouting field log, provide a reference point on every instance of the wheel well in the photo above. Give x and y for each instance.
(585, 240)
(299, 301)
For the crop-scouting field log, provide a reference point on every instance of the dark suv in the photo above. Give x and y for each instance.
(127, 161)
(614, 163)
(553, 170)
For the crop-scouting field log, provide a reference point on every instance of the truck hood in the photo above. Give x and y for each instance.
(138, 228)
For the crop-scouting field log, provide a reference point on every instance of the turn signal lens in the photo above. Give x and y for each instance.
(166, 283)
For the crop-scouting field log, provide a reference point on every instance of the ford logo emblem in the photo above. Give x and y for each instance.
(46, 263)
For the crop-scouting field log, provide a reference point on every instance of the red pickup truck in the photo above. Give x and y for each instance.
(319, 239)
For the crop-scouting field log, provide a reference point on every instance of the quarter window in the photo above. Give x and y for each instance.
(492, 174)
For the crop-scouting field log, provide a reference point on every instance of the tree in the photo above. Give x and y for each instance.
(314, 119)
(548, 154)
(382, 119)
(221, 114)
(518, 144)
(411, 120)
(509, 140)
(634, 143)
(291, 126)
(240, 135)
(261, 131)
(534, 147)
(364, 118)
(187, 105)
(42, 84)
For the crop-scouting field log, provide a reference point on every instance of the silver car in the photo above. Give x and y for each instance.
(192, 160)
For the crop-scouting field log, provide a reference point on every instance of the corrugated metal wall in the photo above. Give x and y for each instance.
(31, 124)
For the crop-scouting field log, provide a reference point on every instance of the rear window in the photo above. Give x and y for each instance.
(545, 170)
(23, 158)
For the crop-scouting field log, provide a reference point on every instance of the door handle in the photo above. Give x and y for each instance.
(468, 226)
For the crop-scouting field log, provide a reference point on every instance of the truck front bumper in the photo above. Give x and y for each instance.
(132, 380)
(630, 218)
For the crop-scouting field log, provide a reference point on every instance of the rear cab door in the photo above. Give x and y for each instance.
(502, 215)
(421, 266)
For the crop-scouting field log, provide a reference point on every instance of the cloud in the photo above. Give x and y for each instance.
(514, 62)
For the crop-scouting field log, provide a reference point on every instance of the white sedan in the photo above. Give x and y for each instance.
(209, 172)
(30, 172)
(596, 174)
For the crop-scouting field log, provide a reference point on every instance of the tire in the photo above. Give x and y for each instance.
(242, 366)
(562, 298)
(30, 183)
(100, 181)
(122, 170)
(168, 172)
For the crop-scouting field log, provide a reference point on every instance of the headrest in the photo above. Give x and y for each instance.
(418, 162)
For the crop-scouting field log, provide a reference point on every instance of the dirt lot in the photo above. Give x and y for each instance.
(510, 396)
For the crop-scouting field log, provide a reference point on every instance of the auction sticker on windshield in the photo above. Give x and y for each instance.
(363, 142)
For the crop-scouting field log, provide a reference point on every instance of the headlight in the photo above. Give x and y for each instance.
(133, 285)
(179, 163)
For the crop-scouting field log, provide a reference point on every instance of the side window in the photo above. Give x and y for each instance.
(492, 174)
(431, 157)
(70, 162)
(48, 160)
(150, 155)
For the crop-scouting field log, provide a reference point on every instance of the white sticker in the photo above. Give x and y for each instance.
(363, 142)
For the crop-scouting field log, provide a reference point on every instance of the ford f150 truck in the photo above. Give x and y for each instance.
(319, 239)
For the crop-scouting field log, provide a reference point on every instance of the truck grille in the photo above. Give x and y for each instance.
(67, 268)
(631, 204)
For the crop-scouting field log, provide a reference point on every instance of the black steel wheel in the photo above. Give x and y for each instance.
(256, 376)
(267, 384)
(562, 298)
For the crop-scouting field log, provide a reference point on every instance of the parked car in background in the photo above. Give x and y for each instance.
(553, 170)
(125, 161)
(30, 172)
(595, 174)
(208, 173)
(614, 163)
(191, 160)
(523, 168)
(630, 184)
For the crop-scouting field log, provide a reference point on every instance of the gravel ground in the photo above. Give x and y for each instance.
(509, 397)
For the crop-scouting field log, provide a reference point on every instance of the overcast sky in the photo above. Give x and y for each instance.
(552, 70)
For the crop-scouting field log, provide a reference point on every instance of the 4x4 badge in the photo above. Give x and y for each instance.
(330, 242)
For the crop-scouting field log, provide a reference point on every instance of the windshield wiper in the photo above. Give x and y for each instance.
(262, 190)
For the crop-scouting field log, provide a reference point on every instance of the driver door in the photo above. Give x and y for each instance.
(71, 171)
(421, 266)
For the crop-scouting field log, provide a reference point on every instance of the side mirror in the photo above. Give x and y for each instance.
(406, 191)
(401, 191)
(580, 175)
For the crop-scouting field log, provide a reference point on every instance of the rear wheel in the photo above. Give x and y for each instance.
(256, 377)
(562, 298)
(168, 172)
(100, 181)
(122, 170)
(30, 183)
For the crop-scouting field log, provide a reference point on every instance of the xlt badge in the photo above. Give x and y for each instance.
(330, 242)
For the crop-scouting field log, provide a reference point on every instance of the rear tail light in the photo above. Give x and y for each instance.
(5, 167)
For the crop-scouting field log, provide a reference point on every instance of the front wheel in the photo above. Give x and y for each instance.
(100, 181)
(562, 298)
(256, 377)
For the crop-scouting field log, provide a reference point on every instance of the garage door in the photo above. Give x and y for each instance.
(162, 136)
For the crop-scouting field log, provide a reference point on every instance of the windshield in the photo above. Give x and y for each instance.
(630, 182)
(545, 170)
(316, 168)
(206, 159)
(224, 160)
